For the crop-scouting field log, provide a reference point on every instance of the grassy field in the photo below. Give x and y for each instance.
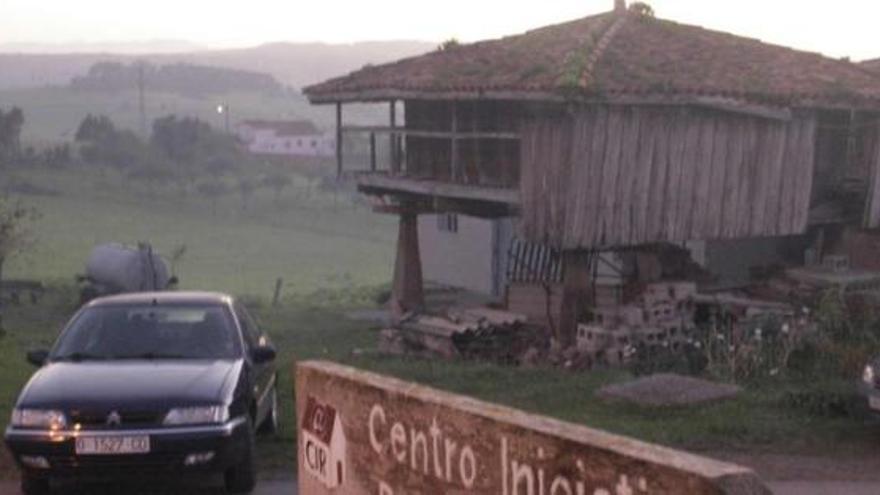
(314, 327)
(311, 236)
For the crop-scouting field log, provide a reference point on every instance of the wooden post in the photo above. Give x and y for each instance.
(454, 151)
(372, 151)
(277, 295)
(392, 138)
(575, 293)
(338, 139)
(406, 290)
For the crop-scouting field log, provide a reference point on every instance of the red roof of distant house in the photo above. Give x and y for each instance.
(613, 56)
(285, 127)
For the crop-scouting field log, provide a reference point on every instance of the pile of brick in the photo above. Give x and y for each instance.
(661, 316)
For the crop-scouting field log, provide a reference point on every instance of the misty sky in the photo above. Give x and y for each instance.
(835, 27)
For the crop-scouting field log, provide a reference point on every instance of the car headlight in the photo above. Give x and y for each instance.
(38, 418)
(868, 375)
(196, 415)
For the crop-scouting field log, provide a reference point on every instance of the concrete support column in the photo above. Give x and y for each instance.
(406, 289)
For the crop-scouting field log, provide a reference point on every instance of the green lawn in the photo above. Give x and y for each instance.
(312, 238)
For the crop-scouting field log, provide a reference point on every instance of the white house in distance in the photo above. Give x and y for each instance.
(285, 138)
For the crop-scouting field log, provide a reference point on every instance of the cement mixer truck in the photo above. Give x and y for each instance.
(117, 268)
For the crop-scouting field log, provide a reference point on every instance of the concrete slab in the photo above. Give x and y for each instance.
(666, 389)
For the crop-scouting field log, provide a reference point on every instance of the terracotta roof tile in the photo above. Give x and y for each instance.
(612, 55)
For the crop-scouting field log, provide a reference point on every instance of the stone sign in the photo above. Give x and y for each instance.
(362, 433)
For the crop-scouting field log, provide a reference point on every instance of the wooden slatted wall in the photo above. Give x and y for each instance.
(872, 212)
(609, 176)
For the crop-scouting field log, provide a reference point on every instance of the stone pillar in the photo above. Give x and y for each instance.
(406, 289)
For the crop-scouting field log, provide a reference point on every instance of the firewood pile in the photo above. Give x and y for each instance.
(470, 333)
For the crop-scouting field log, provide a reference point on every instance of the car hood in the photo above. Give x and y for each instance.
(131, 384)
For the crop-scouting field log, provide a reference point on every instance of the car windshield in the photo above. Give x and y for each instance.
(149, 332)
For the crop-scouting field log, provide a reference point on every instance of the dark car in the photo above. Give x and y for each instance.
(870, 384)
(147, 383)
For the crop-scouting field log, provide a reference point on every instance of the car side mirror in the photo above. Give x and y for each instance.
(38, 357)
(263, 354)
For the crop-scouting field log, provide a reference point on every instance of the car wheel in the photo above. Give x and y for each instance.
(242, 478)
(31, 485)
(269, 425)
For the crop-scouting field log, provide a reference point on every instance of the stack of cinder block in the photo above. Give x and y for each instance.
(661, 317)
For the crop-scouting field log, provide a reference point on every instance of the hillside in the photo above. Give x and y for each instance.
(293, 64)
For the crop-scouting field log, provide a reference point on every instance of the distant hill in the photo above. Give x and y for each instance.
(292, 64)
(178, 78)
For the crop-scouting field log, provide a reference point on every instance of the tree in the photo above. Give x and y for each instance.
(11, 123)
(15, 234)
(642, 8)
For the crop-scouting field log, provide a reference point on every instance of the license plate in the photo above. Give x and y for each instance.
(874, 403)
(113, 445)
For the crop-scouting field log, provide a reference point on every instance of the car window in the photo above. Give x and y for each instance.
(150, 332)
(249, 329)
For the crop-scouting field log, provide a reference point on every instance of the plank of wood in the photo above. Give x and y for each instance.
(578, 198)
(721, 138)
(748, 180)
(596, 176)
(645, 176)
(381, 182)
(872, 215)
(625, 195)
(733, 172)
(610, 174)
(680, 153)
(657, 200)
(774, 179)
(700, 229)
(805, 176)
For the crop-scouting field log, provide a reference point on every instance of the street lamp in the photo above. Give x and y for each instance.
(223, 109)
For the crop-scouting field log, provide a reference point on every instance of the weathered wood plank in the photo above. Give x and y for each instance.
(610, 173)
(578, 200)
(748, 181)
(704, 176)
(691, 164)
(361, 433)
(720, 141)
(625, 193)
(660, 189)
(596, 176)
(872, 208)
(645, 177)
(733, 172)
(805, 176)
(685, 124)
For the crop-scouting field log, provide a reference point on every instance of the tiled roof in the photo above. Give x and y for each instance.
(284, 127)
(613, 55)
(873, 64)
